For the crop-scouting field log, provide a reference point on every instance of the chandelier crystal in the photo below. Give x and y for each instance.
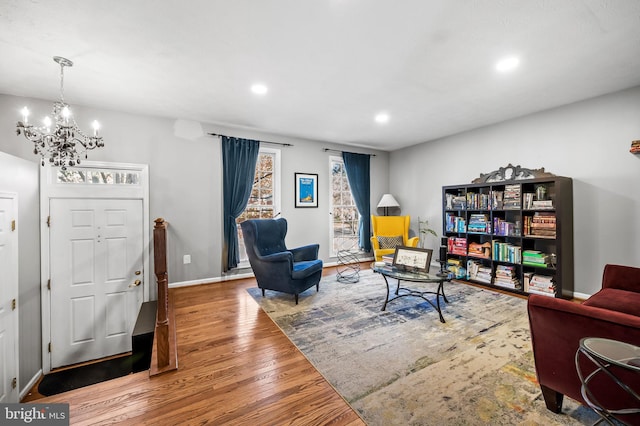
(60, 140)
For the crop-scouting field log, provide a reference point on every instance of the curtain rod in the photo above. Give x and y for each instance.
(335, 150)
(272, 143)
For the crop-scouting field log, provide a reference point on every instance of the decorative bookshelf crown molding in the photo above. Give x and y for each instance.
(511, 172)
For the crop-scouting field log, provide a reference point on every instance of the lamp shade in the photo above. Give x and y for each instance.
(387, 200)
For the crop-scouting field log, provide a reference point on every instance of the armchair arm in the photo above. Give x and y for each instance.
(557, 326)
(308, 252)
(413, 242)
(621, 277)
(374, 243)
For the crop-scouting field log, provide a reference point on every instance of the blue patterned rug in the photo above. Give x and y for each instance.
(404, 367)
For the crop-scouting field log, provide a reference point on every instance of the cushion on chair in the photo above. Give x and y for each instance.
(390, 242)
(305, 268)
(613, 299)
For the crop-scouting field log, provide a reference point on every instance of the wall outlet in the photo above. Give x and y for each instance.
(186, 259)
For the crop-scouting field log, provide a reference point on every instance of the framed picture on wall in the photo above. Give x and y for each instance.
(306, 190)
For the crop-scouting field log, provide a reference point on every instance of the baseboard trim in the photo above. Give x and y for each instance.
(30, 385)
(242, 275)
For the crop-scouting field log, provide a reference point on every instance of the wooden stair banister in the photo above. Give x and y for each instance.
(165, 354)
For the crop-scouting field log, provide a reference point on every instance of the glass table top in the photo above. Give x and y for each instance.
(618, 353)
(419, 276)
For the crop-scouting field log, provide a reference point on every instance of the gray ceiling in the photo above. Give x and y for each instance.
(330, 65)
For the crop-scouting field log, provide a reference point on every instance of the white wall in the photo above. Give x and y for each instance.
(588, 141)
(21, 176)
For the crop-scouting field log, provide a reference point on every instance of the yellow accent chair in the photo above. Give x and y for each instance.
(389, 232)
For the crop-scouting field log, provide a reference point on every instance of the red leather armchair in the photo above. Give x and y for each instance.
(557, 326)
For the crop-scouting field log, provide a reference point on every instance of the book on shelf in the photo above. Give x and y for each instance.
(478, 272)
(506, 276)
(506, 252)
(455, 202)
(541, 224)
(511, 198)
(479, 223)
(497, 198)
(542, 284)
(455, 267)
(535, 258)
(455, 223)
(480, 250)
(477, 201)
(457, 245)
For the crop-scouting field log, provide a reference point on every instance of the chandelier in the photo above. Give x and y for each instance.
(60, 140)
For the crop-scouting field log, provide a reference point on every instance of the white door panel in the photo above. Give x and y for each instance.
(95, 251)
(8, 293)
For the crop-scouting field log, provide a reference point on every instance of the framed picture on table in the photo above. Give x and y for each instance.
(306, 185)
(412, 259)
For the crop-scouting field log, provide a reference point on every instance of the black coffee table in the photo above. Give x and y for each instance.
(414, 277)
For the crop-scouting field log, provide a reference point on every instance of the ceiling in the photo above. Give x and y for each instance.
(330, 65)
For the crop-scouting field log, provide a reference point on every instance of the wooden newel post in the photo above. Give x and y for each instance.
(162, 319)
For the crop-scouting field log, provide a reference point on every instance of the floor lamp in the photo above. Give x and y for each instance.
(387, 201)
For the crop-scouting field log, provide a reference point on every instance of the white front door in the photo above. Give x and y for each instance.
(8, 301)
(96, 267)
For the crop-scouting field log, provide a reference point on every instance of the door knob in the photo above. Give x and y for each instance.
(136, 283)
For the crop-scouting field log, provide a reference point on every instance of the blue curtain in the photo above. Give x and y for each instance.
(239, 158)
(357, 168)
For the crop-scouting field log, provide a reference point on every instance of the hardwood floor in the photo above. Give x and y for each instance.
(235, 367)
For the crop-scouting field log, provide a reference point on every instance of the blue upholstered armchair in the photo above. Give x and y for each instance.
(277, 268)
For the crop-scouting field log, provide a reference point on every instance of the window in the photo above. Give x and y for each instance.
(264, 201)
(97, 176)
(344, 213)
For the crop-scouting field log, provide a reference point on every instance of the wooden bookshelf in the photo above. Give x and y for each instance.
(516, 235)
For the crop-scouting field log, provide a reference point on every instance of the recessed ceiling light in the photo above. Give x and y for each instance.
(382, 118)
(507, 64)
(259, 89)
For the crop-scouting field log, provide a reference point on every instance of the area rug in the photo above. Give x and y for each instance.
(77, 377)
(404, 367)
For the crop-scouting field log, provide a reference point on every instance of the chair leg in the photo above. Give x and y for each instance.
(318, 287)
(263, 292)
(552, 399)
(296, 296)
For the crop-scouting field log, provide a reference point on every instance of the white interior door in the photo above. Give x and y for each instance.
(96, 267)
(8, 301)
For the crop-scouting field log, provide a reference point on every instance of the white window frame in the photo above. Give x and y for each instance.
(244, 263)
(332, 250)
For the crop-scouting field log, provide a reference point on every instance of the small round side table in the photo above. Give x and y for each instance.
(605, 353)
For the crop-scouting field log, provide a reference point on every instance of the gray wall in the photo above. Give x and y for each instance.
(185, 189)
(21, 176)
(588, 141)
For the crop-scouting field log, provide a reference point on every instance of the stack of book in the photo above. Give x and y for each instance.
(539, 284)
(511, 197)
(506, 252)
(477, 201)
(541, 224)
(635, 147)
(455, 223)
(527, 200)
(506, 277)
(455, 202)
(505, 228)
(457, 245)
(535, 258)
(497, 200)
(455, 267)
(480, 250)
(479, 223)
(478, 272)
